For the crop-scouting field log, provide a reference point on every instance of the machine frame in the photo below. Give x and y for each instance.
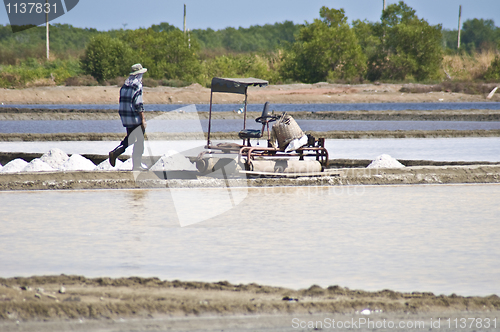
(246, 152)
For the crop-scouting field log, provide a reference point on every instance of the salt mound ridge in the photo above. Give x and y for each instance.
(385, 161)
(106, 166)
(173, 161)
(14, 166)
(125, 166)
(55, 158)
(78, 163)
(37, 165)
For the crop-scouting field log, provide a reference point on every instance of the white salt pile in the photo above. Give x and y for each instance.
(385, 161)
(77, 163)
(37, 165)
(126, 165)
(14, 166)
(106, 166)
(55, 158)
(173, 161)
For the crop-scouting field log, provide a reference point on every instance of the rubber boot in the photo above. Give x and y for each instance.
(115, 153)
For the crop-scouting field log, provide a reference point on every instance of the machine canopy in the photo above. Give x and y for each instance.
(235, 85)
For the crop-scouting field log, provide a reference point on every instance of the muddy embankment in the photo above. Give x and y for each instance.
(449, 174)
(196, 94)
(73, 297)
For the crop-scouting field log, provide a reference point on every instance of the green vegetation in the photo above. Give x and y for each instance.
(493, 72)
(267, 38)
(400, 47)
(106, 58)
(165, 54)
(477, 35)
(408, 48)
(31, 72)
(325, 49)
(241, 65)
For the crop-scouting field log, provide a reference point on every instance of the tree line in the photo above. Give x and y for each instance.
(400, 47)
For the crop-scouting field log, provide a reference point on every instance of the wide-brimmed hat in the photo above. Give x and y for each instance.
(137, 69)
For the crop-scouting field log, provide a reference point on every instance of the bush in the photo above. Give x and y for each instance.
(326, 49)
(468, 67)
(31, 72)
(118, 81)
(8, 80)
(241, 65)
(106, 58)
(409, 47)
(174, 83)
(150, 82)
(458, 87)
(493, 72)
(165, 54)
(82, 80)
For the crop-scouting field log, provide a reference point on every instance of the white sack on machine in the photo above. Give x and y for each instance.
(285, 131)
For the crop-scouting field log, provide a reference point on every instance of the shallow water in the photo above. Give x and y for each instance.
(287, 107)
(438, 238)
(231, 125)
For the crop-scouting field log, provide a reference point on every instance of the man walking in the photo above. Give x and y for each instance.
(131, 112)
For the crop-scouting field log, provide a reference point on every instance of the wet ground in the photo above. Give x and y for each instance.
(71, 303)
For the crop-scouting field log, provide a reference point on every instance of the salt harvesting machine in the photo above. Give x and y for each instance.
(294, 154)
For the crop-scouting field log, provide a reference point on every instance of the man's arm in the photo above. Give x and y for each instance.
(139, 107)
(143, 119)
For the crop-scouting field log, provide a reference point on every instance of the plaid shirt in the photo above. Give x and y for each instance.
(131, 102)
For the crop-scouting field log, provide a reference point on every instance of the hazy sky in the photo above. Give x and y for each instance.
(218, 14)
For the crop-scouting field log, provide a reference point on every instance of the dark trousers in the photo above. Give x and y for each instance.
(135, 136)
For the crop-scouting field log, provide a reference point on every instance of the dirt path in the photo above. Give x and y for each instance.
(339, 134)
(196, 94)
(474, 173)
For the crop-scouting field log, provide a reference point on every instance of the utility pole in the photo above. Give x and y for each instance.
(459, 25)
(184, 19)
(47, 29)
(384, 6)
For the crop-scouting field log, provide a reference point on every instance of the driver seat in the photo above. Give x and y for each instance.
(265, 118)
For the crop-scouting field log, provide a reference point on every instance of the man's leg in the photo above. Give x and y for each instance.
(120, 148)
(138, 141)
